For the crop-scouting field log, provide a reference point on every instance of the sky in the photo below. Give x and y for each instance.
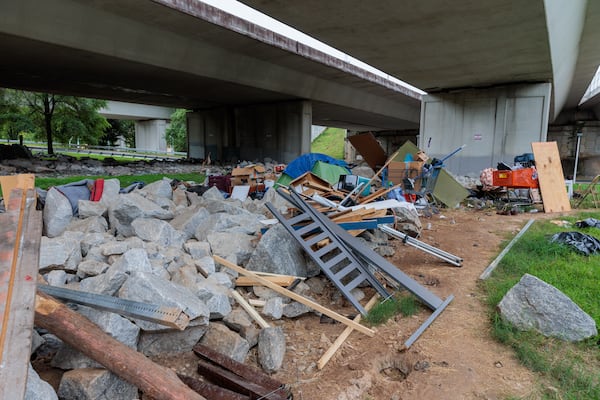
(241, 10)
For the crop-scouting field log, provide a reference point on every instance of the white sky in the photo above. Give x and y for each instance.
(236, 8)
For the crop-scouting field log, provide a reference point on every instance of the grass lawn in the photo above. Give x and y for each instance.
(573, 369)
(330, 142)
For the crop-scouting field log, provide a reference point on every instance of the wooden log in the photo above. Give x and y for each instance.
(297, 297)
(80, 333)
(342, 338)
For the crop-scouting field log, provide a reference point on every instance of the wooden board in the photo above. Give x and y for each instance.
(21, 181)
(550, 176)
(369, 148)
(20, 236)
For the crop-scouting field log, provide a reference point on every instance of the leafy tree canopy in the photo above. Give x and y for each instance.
(56, 117)
(176, 133)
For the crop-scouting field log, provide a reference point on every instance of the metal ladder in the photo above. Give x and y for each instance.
(335, 259)
(325, 228)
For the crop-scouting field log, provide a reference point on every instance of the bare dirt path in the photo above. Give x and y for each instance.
(454, 359)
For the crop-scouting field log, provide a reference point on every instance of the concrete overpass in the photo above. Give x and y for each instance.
(497, 71)
(256, 93)
(150, 122)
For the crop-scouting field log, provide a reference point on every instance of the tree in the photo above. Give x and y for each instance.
(176, 134)
(13, 117)
(119, 128)
(59, 117)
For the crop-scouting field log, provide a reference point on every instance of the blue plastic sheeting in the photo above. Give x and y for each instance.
(305, 163)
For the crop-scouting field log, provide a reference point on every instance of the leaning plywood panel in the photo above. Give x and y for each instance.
(550, 176)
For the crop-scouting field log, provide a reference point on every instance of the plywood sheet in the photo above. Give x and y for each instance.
(369, 148)
(550, 177)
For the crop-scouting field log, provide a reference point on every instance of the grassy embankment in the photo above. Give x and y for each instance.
(330, 142)
(566, 370)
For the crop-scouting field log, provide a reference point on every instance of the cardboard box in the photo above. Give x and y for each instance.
(421, 156)
(397, 171)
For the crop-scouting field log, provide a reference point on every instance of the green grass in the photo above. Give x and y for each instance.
(384, 310)
(330, 142)
(125, 180)
(572, 368)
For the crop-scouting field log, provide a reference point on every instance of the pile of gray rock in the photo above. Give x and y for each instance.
(155, 245)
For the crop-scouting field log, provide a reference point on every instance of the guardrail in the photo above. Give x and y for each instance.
(105, 150)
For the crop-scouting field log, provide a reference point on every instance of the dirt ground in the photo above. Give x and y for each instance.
(455, 358)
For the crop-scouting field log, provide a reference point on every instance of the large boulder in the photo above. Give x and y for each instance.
(170, 342)
(271, 349)
(191, 218)
(533, 304)
(159, 189)
(279, 253)
(63, 252)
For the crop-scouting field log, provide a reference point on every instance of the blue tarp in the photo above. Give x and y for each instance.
(305, 163)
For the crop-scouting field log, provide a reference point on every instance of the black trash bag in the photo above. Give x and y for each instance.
(588, 223)
(583, 243)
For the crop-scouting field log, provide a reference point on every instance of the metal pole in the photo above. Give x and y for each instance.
(579, 135)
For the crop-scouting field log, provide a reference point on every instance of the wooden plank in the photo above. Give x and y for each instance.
(278, 280)
(249, 309)
(368, 147)
(550, 176)
(20, 236)
(297, 297)
(155, 381)
(342, 338)
(20, 181)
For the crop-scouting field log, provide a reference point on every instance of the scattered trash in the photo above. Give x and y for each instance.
(585, 244)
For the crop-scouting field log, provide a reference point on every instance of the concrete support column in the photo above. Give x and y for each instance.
(496, 124)
(150, 135)
(279, 131)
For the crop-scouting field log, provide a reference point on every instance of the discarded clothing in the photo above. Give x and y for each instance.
(583, 243)
(588, 223)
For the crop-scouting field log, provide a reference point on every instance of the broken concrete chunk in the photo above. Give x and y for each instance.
(133, 260)
(160, 189)
(273, 308)
(279, 253)
(131, 206)
(57, 213)
(271, 349)
(225, 341)
(231, 245)
(148, 288)
(155, 230)
(38, 389)
(153, 344)
(89, 268)
(190, 219)
(96, 384)
(295, 309)
(535, 304)
(107, 283)
(59, 251)
(88, 208)
(88, 225)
